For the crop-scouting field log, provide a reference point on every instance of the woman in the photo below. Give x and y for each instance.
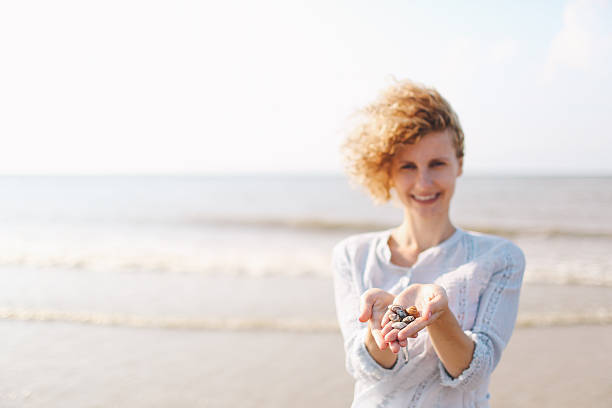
(465, 284)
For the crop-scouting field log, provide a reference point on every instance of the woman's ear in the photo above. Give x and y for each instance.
(460, 172)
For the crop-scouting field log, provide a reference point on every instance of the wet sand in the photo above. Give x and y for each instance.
(202, 296)
(54, 364)
(555, 367)
(59, 349)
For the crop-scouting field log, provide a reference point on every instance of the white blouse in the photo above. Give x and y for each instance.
(482, 275)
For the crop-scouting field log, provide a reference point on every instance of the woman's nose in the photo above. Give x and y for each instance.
(424, 179)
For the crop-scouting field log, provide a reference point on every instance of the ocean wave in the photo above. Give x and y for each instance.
(212, 262)
(352, 226)
(315, 224)
(260, 264)
(560, 275)
(597, 317)
(107, 319)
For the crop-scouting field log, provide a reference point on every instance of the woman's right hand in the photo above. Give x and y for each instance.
(374, 303)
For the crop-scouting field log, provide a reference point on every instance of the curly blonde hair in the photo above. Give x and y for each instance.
(403, 114)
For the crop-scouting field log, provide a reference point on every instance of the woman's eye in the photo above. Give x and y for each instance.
(435, 164)
(409, 166)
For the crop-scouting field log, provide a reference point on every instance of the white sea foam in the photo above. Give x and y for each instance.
(559, 260)
(253, 261)
(284, 325)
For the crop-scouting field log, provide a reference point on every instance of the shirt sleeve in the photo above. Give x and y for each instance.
(359, 363)
(495, 319)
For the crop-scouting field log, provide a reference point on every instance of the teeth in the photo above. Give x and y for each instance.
(425, 198)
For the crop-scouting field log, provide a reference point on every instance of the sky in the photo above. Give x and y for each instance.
(208, 87)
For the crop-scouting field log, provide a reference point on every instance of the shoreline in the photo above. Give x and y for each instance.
(534, 320)
(149, 300)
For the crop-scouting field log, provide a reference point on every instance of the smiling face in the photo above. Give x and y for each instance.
(424, 174)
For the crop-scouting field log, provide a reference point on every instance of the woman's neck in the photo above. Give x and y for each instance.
(417, 235)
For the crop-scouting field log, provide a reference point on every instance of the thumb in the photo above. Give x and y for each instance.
(366, 308)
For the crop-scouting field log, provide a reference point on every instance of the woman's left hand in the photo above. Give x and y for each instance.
(431, 302)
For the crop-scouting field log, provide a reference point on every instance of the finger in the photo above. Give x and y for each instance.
(395, 347)
(418, 325)
(411, 330)
(426, 310)
(386, 329)
(385, 319)
(404, 343)
(392, 335)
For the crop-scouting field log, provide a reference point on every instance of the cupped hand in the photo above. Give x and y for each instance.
(431, 302)
(374, 304)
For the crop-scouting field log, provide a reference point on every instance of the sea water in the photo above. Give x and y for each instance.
(170, 251)
(262, 226)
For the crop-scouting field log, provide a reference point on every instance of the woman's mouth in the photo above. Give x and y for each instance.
(425, 199)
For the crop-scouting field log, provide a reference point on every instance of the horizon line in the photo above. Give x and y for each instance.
(551, 174)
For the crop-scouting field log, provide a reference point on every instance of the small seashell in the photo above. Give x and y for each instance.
(408, 319)
(397, 309)
(412, 311)
(402, 314)
(391, 307)
(398, 325)
(394, 317)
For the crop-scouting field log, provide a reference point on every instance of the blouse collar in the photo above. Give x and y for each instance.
(384, 252)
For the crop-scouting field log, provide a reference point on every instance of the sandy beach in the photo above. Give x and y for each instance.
(72, 365)
(73, 354)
